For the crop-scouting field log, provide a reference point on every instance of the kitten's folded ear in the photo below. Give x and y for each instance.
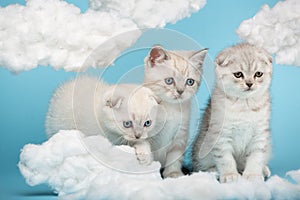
(223, 59)
(157, 55)
(268, 57)
(112, 100)
(197, 58)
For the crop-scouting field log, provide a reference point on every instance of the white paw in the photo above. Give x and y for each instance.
(144, 158)
(173, 174)
(253, 177)
(143, 153)
(229, 177)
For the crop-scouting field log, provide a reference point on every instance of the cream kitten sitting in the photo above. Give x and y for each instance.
(174, 76)
(235, 134)
(125, 114)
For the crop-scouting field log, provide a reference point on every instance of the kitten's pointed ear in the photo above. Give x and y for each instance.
(197, 58)
(112, 101)
(157, 55)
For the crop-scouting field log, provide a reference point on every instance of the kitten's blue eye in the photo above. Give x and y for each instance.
(258, 74)
(127, 124)
(169, 81)
(238, 75)
(148, 123)
(190, 82)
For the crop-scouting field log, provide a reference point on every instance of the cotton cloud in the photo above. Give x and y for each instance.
(80, 167)
(70, 164)
(56, 33)
(276, 29)
(150, 14)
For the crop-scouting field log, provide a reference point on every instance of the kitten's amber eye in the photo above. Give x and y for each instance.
(238, 74)
(169, 81)
(258, 74)
(127, 124)
(147, 123)
(190, 82)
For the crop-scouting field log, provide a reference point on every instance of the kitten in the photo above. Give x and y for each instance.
(124, 113)
(174, 76)
(235, 135)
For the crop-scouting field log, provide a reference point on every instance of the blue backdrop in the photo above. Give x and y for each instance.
(24, 97)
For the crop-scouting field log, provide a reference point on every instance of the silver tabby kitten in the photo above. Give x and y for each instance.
(174, 76)
(235, 136)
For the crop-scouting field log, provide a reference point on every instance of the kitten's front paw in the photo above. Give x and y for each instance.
(173, 175)
(229, 177)
(144, 158)
(143, 153)
(253, 177)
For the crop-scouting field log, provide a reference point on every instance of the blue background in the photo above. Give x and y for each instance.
(24, 97)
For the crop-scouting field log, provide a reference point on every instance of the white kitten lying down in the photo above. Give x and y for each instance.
(124, 113)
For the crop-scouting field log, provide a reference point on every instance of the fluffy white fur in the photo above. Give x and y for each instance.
(235, 136)
(167, 74)
(93, 107)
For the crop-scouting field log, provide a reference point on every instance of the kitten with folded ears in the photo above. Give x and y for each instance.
(235, 132)
(124, 113)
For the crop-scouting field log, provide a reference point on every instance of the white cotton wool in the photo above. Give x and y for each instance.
(69, 162)
(295, 175)
(150, 14)
(277, 30)
(282, 189)
(79, 167)
(56, 33)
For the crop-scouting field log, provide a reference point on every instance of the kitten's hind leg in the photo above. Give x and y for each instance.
(212, 169)
(173, 164)
(173, 171)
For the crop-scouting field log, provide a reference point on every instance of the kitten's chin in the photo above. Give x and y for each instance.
(249, 91)
(132, 139)
(244, 94)
(175, 99)
(128, 138)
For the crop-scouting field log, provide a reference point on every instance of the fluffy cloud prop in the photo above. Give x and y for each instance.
(56, 33)
(276, 29)
(150, 14)
(78, 167)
